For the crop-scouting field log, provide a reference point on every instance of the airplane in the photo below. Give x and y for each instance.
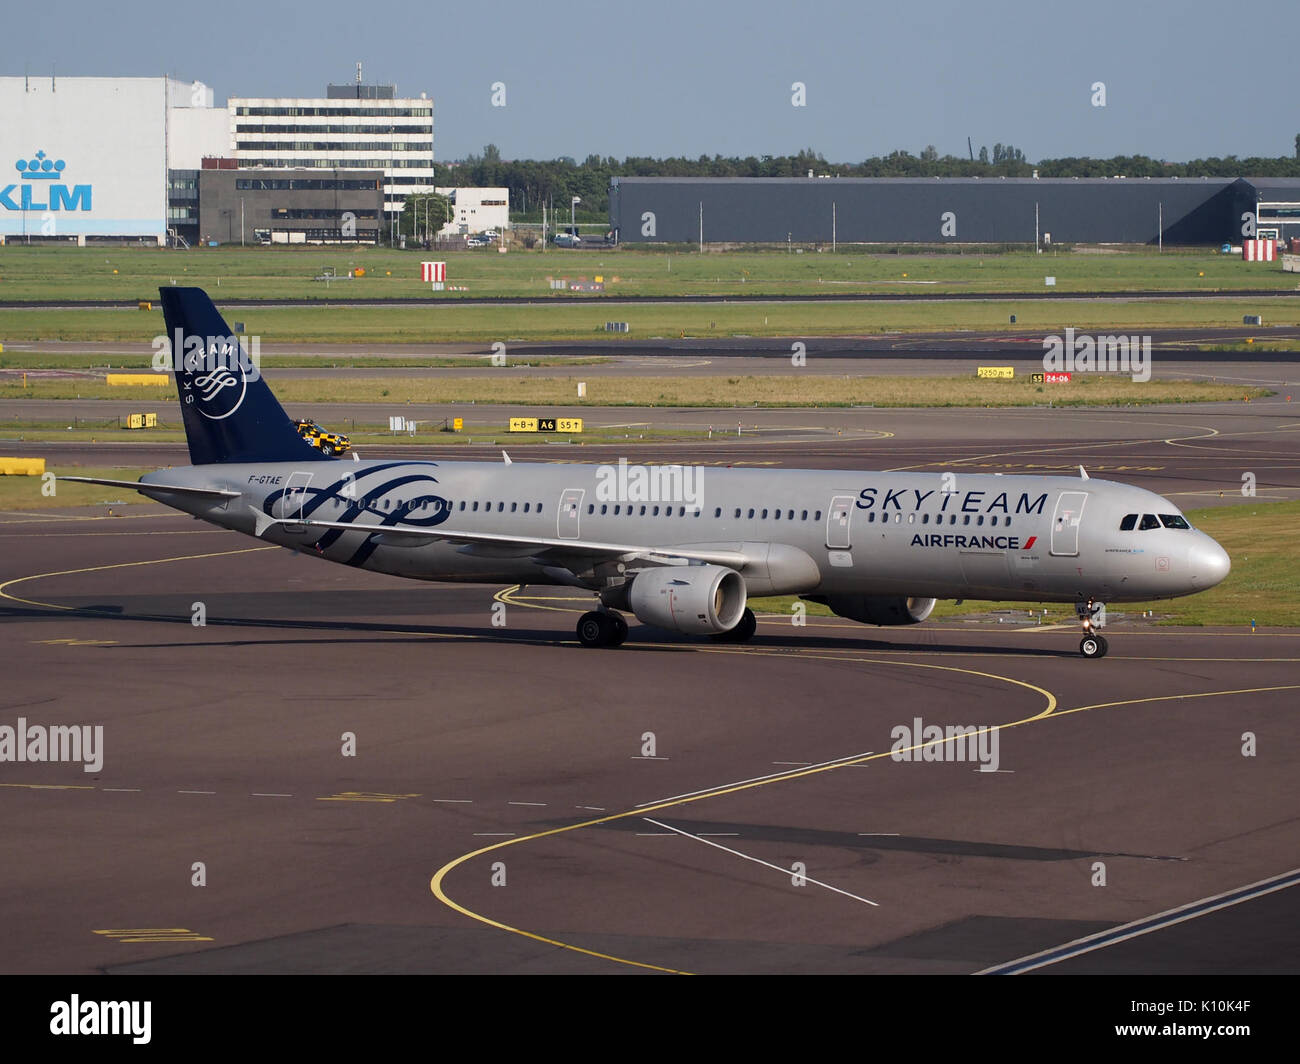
(681, 548)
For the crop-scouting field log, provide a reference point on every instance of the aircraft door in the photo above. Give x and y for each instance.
(570, 513)
(1065, 523)
(289, 506)
(838, 517)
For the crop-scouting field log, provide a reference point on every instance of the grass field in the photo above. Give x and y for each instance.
(68, 273)
(793, 389)
(487, 324)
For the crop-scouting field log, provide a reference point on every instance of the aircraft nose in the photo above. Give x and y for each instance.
(1210, 563)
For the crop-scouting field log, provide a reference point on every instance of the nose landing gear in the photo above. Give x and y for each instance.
(1092, 645)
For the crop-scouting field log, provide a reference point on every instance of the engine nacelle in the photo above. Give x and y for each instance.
(697, 599)
(877, 609)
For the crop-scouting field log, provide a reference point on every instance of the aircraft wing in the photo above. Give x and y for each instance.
(521, 545)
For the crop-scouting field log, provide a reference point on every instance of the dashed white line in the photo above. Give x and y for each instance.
(196, 792)
(493, 834)
(120, 790)
(542, 804)
(456, 801)
(255, 794)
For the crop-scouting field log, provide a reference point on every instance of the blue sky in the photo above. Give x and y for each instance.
(673, 77)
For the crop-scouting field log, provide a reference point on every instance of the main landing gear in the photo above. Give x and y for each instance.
(1092, 645)
(601, 628)
(742, 633)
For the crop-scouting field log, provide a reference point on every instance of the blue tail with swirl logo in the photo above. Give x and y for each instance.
(230, 414)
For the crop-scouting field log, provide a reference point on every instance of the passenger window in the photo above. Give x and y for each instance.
(751, 513)
(476, 506)
(526, 506)
(654, 512)
(925, 519)
(764, 513)
(803, 516)
(777, 515)
(539, 507)
(501, 507)
(514, 506)
(643, 510)
(462, 504)
(591, 508)
(1129, 520)
(819, 516)
(993, 520)
(1174, 521)
(737, 513)
(979, 520)
(717, 512)
(604, 508)
(871, 517)
(911, 519)
(1149, 521)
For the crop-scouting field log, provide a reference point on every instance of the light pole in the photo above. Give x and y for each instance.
(573, 225)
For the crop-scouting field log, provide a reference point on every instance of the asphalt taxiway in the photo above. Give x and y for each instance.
(374, 775)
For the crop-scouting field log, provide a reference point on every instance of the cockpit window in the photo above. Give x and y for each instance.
(1174, 521)
(1129, 521)
(1149, 521)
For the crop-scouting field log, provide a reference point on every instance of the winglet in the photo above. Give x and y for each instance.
(1083, 474)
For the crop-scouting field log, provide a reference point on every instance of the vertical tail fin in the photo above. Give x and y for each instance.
(230, 414)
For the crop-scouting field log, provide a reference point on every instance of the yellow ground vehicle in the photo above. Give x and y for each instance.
(328, 443)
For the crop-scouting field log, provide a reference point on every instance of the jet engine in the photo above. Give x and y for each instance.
(877, 609)
(696, 599)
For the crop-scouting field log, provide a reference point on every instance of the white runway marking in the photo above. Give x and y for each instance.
(765, 864)
(1144, 926)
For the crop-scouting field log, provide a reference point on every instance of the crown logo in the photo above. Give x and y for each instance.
(40, 168)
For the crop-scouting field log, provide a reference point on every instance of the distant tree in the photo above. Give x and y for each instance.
(929, 154)
(491, 153)
(424, 213)
(984, 154)
(1297, 145)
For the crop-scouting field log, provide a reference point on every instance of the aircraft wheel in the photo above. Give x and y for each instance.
(618, 629)
(743, 632)
(594, 629)
(1093, 646)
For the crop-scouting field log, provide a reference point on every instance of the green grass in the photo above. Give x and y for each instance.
(445, 323)
(1263, 540)
(30, 493)
(68, 273)
(791, 390)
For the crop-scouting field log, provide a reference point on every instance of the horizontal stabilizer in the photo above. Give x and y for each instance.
(175, 489)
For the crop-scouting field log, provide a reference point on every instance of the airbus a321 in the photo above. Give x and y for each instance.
(878, 548)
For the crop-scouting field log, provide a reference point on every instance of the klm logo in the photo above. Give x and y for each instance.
(39, 190)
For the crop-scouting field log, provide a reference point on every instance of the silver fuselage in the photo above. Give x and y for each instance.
(935, 535)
